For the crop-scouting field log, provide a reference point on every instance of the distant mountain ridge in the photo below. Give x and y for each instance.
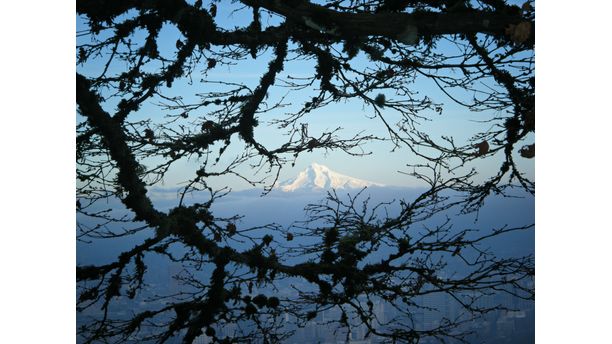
(317, 177)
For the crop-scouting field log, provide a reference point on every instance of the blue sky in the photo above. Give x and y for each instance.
(381, 166)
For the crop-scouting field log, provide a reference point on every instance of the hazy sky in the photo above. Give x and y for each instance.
(382, 166)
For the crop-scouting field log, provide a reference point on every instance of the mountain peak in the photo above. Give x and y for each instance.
(317, 176)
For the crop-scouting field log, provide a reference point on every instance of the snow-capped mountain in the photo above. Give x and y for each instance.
(317, 176)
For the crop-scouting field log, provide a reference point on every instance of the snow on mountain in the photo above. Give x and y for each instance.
(317, 176)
